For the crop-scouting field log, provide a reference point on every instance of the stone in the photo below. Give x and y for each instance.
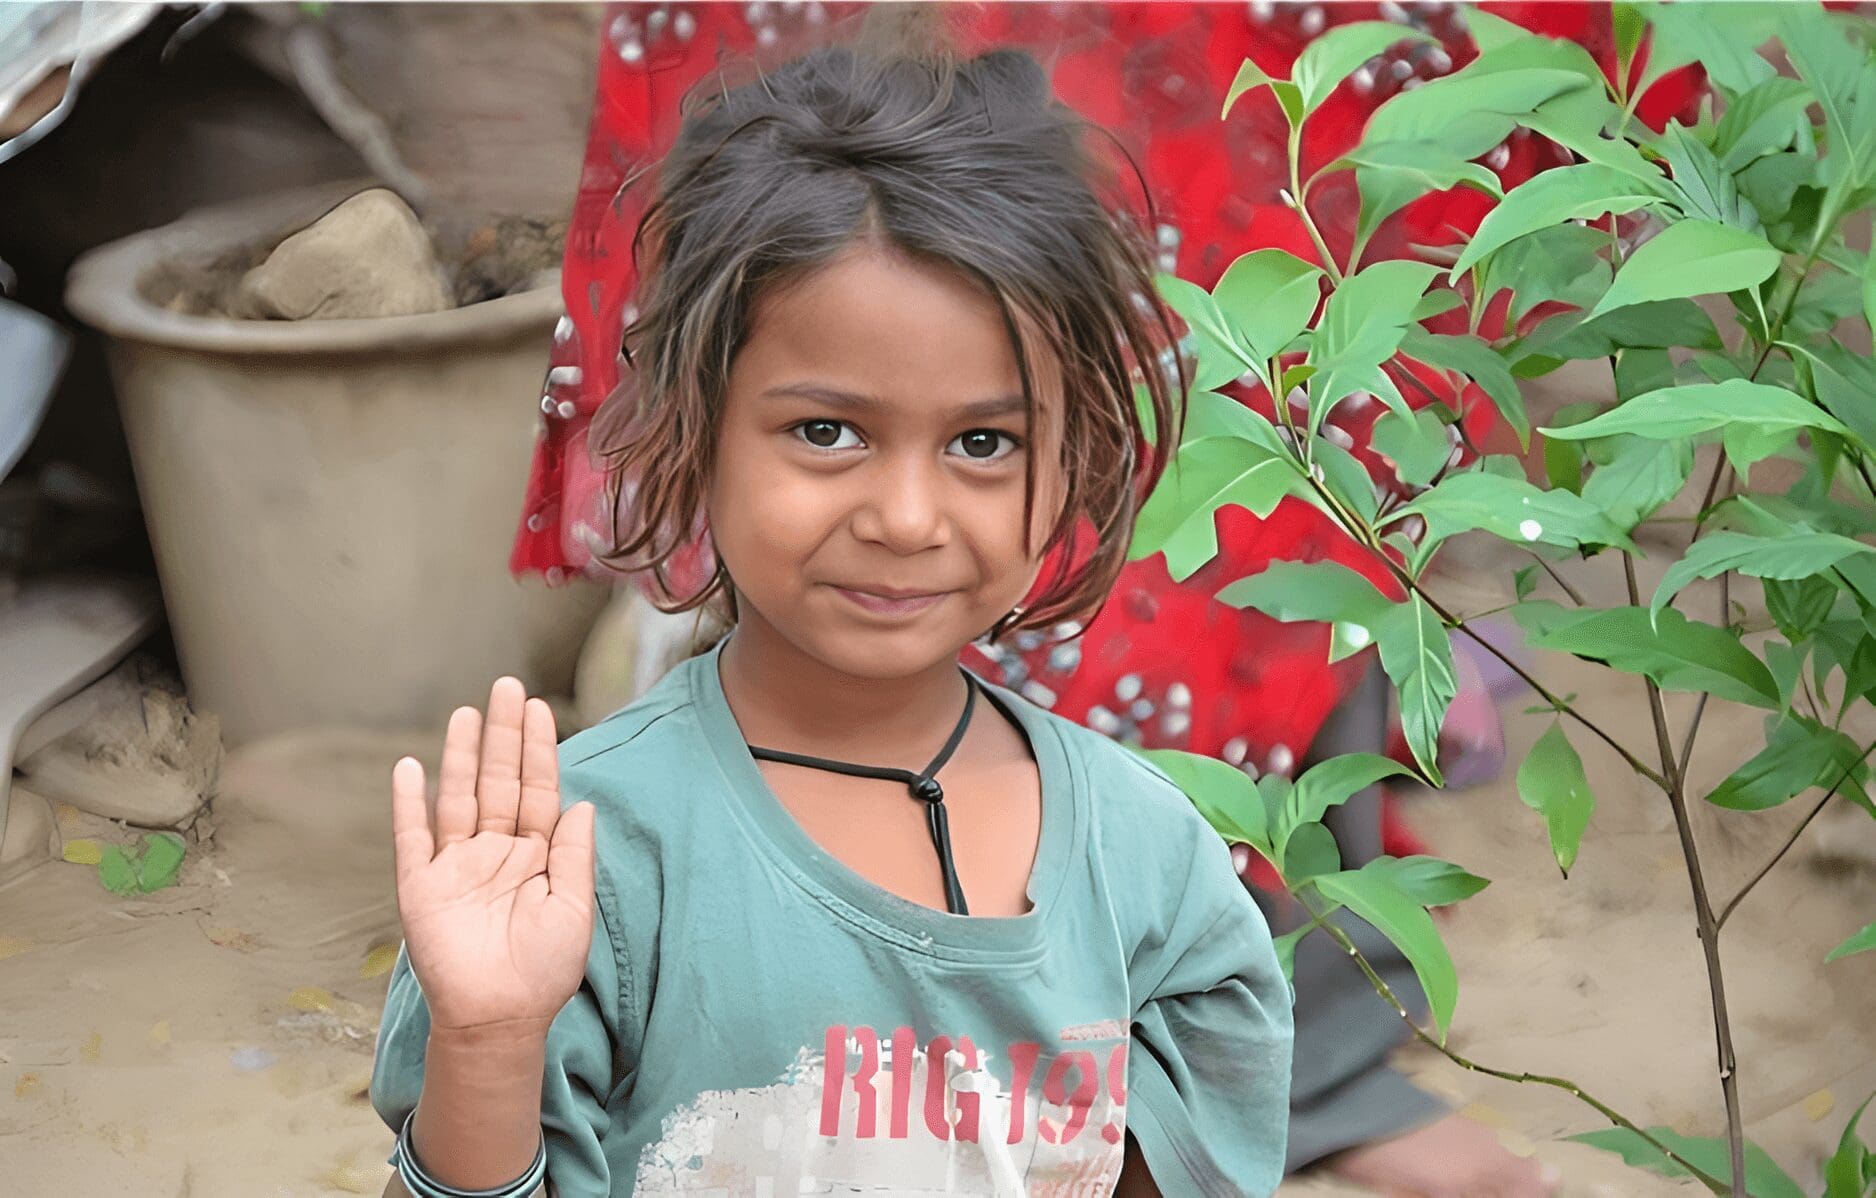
(145, 758)
(368, 257)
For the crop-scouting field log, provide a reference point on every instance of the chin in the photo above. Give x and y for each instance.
(864, 651)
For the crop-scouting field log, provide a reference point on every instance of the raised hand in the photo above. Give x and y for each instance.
(495, 887)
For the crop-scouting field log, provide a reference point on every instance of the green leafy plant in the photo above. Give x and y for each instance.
(1748, 204)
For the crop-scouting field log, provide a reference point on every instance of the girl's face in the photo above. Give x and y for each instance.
(867, 497)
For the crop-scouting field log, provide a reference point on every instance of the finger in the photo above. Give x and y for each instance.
(412, 843)
(540, 771)
(456, 780)
(498, 782)
(570, 854)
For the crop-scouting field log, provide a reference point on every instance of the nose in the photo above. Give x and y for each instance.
(903, 508)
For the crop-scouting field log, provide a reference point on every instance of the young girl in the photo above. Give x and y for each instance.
(824, 913)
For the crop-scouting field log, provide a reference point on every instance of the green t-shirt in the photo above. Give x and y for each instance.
(759, 1019)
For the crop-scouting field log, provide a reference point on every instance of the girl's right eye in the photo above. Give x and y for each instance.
(827, 434)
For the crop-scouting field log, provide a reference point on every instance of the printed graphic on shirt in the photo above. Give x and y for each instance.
(884, 1113)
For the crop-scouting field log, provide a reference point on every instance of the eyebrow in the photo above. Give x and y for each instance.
(834, 397)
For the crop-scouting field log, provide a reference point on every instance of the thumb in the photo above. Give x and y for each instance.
(570, 854)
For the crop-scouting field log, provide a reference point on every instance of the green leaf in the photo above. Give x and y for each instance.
(1689, 258)
(1552, 197)
(1678, 653)
(1334, 782)
(1764, 1179)
(1209, 414)
(1670, 324)
(1562, 263)
(1685, 411)
(1179, 517)
(1791, 555)
(1836, 68)
(1768, 118)
(1799, 753)
(1800, 605)
(1430, 881)
(1309, 850)
(1847, 1173)
(1638, 478)
(1707, 189)
(1221, 358)
(1727, 49)
(1250, 77)
(1309, 591)
(1418, 659)
(1510, 509)
(1552, 783)
(1391, 172)
(1361, 327)
(1417, 445)
(1479, 362)
(161, 861)
(1629, 25)
(1524, 581)
(117, 871)
(1224, 795)
(1859, 942)
(1267, 298)
(1333, 56)
(1467, 112)
(1374, 895)
(1346, 478)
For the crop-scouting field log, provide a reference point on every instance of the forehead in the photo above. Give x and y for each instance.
(884, 324)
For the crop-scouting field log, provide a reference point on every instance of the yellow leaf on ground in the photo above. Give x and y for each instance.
(159, 1032)
(1819, 1104)
(89, 1050)
(27, 1084)
(351, 1179)
(83, 851)
(311, 999)
(13, 946)
(378, 961)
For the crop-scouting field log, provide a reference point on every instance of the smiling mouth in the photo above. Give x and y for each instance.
(890, 603)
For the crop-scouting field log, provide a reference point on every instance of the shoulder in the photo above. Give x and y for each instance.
(640, 747)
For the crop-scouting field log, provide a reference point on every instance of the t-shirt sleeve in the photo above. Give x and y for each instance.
(1209, 1063)
(581, 1069)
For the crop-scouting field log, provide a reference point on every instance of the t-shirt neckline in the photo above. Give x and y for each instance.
(872, 907)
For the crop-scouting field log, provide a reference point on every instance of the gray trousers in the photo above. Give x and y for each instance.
(1342, 1092)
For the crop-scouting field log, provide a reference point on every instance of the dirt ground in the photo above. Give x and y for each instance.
(213, 1040)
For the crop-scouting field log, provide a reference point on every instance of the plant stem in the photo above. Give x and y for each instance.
(1562, 1083)
(1302, 208)
(1727, 911)
(1703, 917)
(1576, 596)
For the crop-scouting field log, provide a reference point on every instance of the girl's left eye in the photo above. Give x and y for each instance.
(827, 434)
(983, 445)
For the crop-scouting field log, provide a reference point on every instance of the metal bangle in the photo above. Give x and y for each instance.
(531, 1184)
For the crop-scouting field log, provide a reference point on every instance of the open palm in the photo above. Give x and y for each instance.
(495, 887)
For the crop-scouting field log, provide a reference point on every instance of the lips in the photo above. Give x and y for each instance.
(887, 601)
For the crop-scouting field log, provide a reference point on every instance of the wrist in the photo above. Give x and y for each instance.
(517, 1035)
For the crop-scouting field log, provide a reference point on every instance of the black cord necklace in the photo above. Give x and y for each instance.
(923, 785)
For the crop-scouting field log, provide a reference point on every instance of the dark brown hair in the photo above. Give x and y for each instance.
(970, 164)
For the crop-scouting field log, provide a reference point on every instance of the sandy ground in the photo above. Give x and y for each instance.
(214, 1040)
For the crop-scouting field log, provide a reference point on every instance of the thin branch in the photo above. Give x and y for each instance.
(1704, 920)
(1727, 911)
(1575, 595)
(1561, 1083)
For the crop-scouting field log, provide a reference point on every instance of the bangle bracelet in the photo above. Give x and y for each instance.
(421, 1185)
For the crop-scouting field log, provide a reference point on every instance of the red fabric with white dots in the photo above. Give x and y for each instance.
(1163, 663)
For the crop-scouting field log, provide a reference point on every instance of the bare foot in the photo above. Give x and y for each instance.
(1453, 1158)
